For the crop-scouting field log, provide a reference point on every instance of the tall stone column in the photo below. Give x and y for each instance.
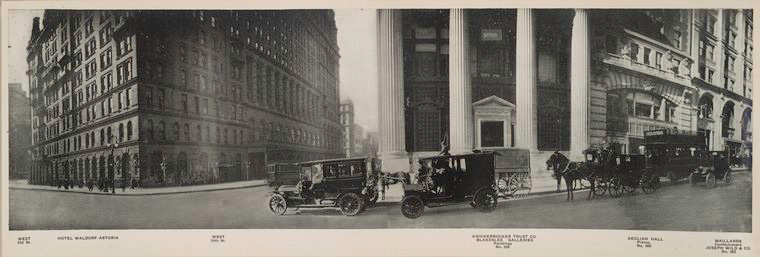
(460, 90)
(526, 78)
(392, 148)
(580, 61)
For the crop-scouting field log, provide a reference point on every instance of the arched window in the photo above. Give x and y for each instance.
(218, 135)
(109, 135)
(129, 130)
(121, 132)
(706, 107)
(187, 132)
(162, 130)
(176, 131)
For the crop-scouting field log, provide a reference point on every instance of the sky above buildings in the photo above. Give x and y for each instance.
(356, 40)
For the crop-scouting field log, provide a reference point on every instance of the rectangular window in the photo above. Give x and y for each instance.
(197, 105)
(126, 96)
(161, 98)
(184, 103)
(204, 106)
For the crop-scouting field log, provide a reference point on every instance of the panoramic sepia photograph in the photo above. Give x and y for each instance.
(619, 119)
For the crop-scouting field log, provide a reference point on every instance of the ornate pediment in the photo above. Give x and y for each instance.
(493, 102)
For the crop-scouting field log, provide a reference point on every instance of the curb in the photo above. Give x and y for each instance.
(138, 194)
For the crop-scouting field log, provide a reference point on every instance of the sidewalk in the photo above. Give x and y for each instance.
(23, 185)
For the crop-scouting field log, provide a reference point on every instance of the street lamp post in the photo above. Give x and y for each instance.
(247, 170)
(163, 171)
(113, 160)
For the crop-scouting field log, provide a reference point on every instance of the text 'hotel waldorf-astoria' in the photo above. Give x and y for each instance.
(181, 97)
(560, 80)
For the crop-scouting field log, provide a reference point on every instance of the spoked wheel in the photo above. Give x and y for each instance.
(727, 177)
(648, 184)
(693, 180)
(277, 204)
(600, 188)
(629, 188)
(351, 204)
(615, 187)
(503, 185)
(710, 180)
(485, 200)
(412, 206)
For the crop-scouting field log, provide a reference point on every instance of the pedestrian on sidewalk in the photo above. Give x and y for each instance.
(132, 184)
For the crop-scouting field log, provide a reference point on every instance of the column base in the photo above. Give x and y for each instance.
(395, 161)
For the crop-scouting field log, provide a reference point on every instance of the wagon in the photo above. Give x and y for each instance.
(512, 171)
(348, 184)
(450, 179)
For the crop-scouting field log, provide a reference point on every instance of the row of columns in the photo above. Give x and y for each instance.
(461, 124)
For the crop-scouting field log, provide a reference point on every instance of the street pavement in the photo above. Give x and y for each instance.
(680, 207)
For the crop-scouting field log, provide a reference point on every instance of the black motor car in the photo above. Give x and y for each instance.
(350, 184)
(673, 153)
(449, 179)
(716, 168)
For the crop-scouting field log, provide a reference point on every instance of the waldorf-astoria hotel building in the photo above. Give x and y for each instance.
(181, 97)
(560, 79)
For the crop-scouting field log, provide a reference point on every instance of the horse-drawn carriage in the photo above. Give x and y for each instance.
(349, 184)
(604, 171)
(447, 179)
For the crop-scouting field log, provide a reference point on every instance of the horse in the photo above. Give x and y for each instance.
(570, 171)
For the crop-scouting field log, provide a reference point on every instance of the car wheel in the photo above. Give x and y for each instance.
(710, 180)
(412, 206)
(727, 178)
(277, 204)
(693, 180)
(350, 204)
(485, 200)
(615, 188)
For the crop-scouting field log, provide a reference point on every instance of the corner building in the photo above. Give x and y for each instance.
(560, 80)
(181, 97)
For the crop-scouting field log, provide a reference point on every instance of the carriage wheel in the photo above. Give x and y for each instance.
(601, 187)
(485, 200)
(350, 204)
(693, 180)
(629, 188)
(648, 184)
(727, 178)
(412, 206)
(615, 187)
(277, 204)
(503, 186)
(710, 180)
(514, 184)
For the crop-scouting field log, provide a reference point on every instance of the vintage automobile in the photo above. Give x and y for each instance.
(350, 184)
(717, 167)
(283, 174)
(674, 154)
(449, 179)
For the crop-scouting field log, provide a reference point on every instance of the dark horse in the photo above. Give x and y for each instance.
(570, 171)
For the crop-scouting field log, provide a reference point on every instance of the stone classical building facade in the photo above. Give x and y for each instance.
(181, 97)
(560, 80)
